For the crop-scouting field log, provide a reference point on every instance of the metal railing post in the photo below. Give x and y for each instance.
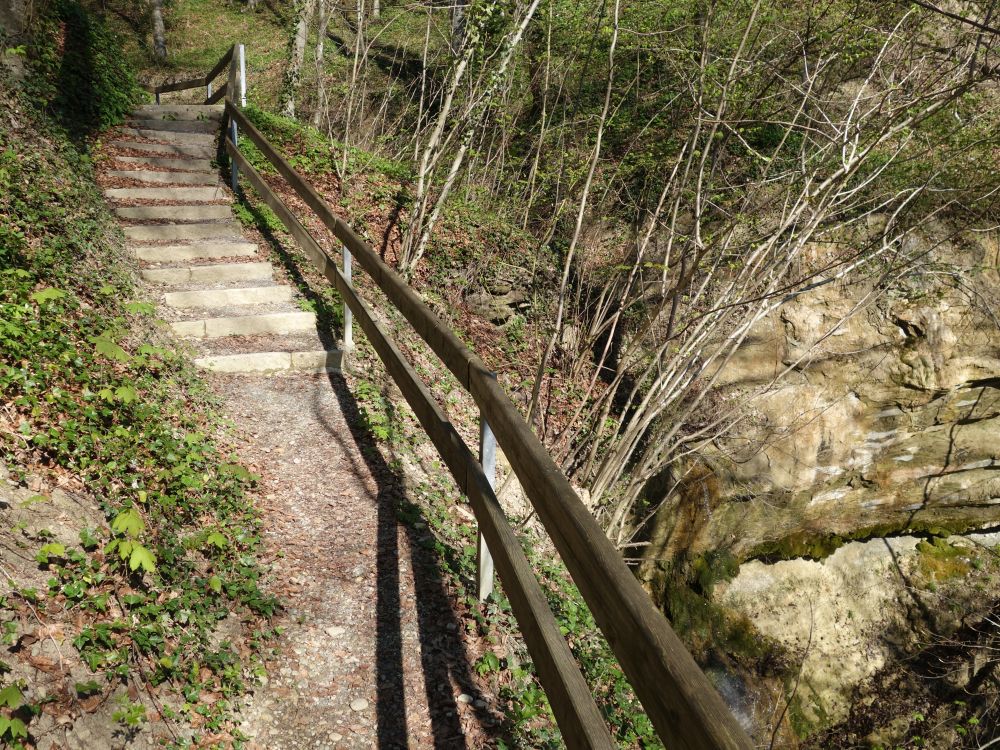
(348, 315)
(208, 90)
(243, 75)
(157, 97)
(488, 460)
(237, 75)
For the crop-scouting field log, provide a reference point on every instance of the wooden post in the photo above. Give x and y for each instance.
(348, 315)
(157, 97)
(208, 90)
(488, 461)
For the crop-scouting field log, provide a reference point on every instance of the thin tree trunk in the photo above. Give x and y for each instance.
(581, 213)
(159, 32)
(323, 19)
(297, 57)
(355, 68)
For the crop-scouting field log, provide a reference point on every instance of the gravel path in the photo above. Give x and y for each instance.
(373, 653)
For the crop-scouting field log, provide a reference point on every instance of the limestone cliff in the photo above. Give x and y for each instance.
(886, 422)
(883, 429)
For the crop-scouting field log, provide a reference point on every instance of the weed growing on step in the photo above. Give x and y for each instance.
(92, 395)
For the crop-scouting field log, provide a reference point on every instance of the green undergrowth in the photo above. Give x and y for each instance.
(92, 393)
(313, 153)
(428, 509)
(78, 73)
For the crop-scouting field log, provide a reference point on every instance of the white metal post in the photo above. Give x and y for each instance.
(243, 75)
(488, 460)
(208, 91)
(237, 75)
(348, 315)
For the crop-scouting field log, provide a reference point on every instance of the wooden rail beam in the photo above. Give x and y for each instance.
(569, 695)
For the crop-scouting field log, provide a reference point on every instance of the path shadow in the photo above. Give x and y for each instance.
(445, 663)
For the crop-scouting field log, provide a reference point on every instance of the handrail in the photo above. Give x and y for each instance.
(204, 81)
(685, 709)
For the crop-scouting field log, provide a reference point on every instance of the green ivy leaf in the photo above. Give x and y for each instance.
(126, 394)
(218, 539)
(128, 522)
(52, 549)
(11, 697)
(108, 348)
(141, 558)
(47, 295)
(215, 583)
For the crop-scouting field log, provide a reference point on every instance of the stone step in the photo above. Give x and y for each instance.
(265, 362)
(259, 295)
(218, 273)
(166, 136)
(176, 126)
(179, 111)
(175, 178)
(188, 165)
(178, 213)
(174, 149)
(196, 251)
(174, 194)
(174, 232)
(246, 325)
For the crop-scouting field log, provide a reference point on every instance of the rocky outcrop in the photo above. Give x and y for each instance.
(887, 419)
(873, 422)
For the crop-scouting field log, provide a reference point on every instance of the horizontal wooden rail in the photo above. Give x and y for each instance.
(686, 710)
(196, 83)
(572, 702)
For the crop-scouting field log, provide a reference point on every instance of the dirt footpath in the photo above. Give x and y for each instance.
(373, 653)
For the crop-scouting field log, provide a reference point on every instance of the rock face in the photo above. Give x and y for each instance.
(887, 419)
(884, 425)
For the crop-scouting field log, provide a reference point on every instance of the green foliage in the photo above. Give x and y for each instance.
(93, 389)
(79, 72)
(313, 153)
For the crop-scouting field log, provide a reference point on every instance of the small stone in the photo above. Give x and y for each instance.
(359, 704)
(335, 631)
(465, 698)
(334, 737)
(480, 704)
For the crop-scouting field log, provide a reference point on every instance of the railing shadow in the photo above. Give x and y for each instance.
(445, 663)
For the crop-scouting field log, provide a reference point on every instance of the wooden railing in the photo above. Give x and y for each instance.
(685, 709)
(234, 57)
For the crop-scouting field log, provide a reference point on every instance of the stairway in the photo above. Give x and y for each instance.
(214, 287)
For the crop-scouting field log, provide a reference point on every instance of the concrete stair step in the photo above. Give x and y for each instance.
(178, 213)
(316, 361)
(179, 111)
(174, 194)
(169, 149)
(174, 232)
(167, 136)
(209, 274)
(175, 126)
(176, 178)
(188, 165)
(246, 325)
(194, 251)
(260, 295)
